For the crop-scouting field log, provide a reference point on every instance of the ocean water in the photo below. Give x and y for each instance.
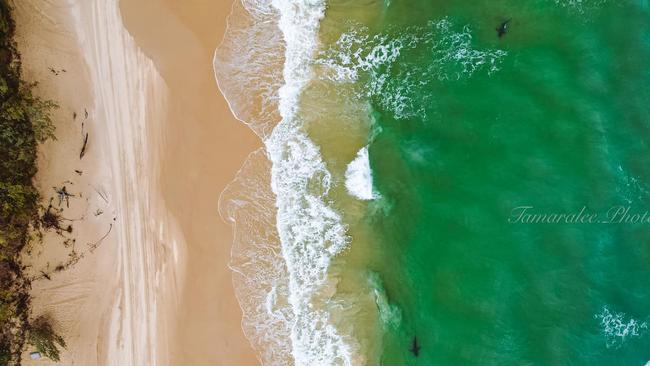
(425, 179)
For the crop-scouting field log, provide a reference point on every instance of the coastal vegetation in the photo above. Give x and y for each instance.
(25, 122)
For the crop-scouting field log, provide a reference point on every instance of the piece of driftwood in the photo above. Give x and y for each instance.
(63, 195)
(83, 148)
(95, 245)
(101, 195)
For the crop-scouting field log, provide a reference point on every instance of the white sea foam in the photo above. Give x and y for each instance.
(248, 64)
(631, 188)
(260, 275)
(617, 328)
(581, 6)
(311, 232)
(440, 51)
(295, 300)
(358, 176)
(248, 67)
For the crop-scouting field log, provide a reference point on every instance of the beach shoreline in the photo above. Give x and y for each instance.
(163, 145)
(205, 146)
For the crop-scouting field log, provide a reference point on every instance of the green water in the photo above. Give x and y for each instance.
(562, 122)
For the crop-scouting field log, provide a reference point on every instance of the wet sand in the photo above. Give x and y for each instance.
(204, 147)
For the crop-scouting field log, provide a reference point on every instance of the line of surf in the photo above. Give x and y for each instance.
(263, 89)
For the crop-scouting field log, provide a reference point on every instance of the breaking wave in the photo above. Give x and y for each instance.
(358, 176)
(286, 231)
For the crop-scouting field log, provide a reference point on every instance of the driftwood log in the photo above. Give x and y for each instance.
(83, 148)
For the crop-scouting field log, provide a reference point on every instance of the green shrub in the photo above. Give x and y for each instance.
(25, 121)
(45, 339)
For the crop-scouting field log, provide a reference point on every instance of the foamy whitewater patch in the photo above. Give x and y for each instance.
(617, 329)
(311, 231)
(581, 6)
(631, 188)
(398, 67)
(358, 176)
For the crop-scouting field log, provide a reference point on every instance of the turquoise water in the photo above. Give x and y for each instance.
(499, 213)
(468, 126)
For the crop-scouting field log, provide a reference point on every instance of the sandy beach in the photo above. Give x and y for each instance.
(80, 299)
(204, 147)
(143, 277)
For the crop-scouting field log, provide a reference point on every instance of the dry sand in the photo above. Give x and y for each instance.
(79, 299)
(162, 146)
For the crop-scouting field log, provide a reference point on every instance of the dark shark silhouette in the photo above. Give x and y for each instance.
(415, 347)
(502, 29)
